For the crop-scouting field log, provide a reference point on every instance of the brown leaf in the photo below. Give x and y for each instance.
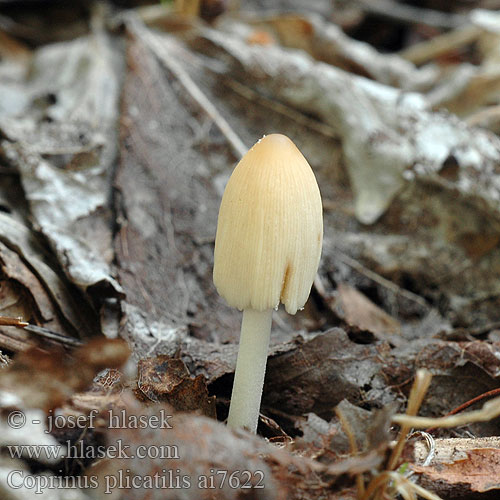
(30, 250)
(480, 471)
(46, 378)
(318, 374)
(14, 301)
(361, 312)
(40, 310)
(167, 380)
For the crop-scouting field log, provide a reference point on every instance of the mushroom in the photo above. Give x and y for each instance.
(267, 250)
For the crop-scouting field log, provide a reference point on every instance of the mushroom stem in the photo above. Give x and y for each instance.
(250, 369)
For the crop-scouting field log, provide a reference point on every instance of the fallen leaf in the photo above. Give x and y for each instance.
(168, 380)
(479, 472)
(47, 378)
(363, 313)
(41, 310)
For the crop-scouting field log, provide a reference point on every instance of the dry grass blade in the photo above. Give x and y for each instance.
(490, 410)
(354, 448)
(417, 394)
(390, 482)
(402, 486)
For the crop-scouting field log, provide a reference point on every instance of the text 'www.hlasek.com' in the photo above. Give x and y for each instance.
(123, 477)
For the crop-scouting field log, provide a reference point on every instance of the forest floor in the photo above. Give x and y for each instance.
(120, 124)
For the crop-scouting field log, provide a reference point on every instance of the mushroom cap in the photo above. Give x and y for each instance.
(270, 229)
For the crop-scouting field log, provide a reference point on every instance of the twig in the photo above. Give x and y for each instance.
(380, 279)
(449, 450)
(489, 394)
(379, 484)
(40, 331)
(153, 41)
(15, 341)
(49, 334)
(8, 321)
(408, 14)
(441, 44)
(280, 108)
(487, 118)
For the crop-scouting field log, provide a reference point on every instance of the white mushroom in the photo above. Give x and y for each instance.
(267, 250)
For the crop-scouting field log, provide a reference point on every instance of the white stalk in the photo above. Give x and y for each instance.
(250, 369)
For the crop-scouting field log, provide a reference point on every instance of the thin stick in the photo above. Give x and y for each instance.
(9, 321)
(281, 108)
(39, 330)
(380, 279)
(442, 44)
(487, 118)
(153, 41)
(408, 14)
(49, 334)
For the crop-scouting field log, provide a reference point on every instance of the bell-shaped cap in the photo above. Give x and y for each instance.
(270, 229)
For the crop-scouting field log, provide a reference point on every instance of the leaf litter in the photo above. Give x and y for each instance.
(118, 160)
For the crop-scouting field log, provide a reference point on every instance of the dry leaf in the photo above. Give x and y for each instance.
(363, 313)
(47, 378)
(479, 472)
(167, 380)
